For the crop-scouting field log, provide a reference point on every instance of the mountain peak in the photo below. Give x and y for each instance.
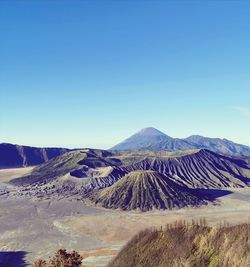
(145, 139)
(152, 139)
(151, 131)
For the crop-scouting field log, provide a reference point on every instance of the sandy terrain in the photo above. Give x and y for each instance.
(8, 174)
(32, 228)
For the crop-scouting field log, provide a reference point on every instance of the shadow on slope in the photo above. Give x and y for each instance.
(210, 194)
(12, 259)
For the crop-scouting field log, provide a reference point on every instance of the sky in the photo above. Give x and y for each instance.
(92, 73)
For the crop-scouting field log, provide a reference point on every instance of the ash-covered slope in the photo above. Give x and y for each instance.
(97, 169)
(145, 190)
(199, 169)
(79, 164)
(154, 140)
(14, 156)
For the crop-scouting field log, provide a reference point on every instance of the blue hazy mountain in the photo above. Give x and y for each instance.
(152, 139)
(218, 145)
(155, 140)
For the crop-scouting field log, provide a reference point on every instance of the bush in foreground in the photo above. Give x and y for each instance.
(61, 259)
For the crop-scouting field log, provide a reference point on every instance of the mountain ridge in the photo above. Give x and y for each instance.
(15, 156)
(186, 244)
(97, 169)
(147, 139)
(142, 141)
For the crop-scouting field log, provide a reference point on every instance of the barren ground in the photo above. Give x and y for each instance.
(34, 228)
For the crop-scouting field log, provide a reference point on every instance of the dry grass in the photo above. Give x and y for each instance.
(187, 244)
(180, 244)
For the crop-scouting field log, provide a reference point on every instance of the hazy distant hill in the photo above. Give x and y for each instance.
(219, 145)
(152, 139)
(12, 156)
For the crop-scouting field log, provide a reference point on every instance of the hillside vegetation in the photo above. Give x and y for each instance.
(189, 246)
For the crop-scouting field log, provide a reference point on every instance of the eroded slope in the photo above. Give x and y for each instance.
(145, 190)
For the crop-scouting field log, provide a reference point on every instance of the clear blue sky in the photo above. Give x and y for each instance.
(91, 73)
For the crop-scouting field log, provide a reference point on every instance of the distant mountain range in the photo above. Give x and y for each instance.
(155, 140)
(14, 156)
(148, 139)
